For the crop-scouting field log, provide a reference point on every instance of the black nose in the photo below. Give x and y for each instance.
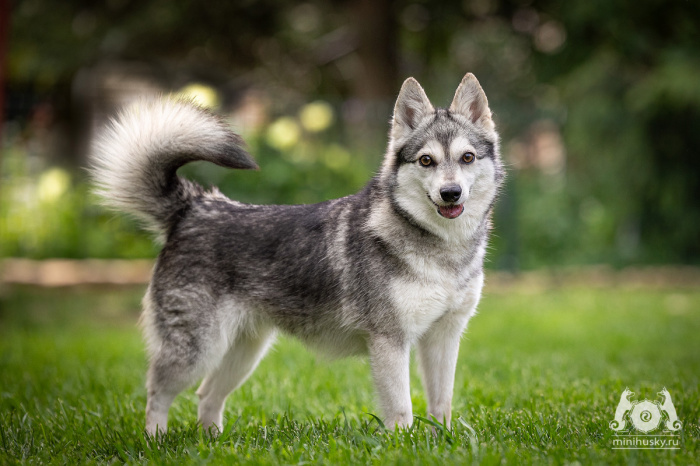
(450, 193)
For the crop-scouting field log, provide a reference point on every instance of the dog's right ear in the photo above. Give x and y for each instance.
(411, 107)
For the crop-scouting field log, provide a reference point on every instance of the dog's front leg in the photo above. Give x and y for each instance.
(389, 358)
(437, 354)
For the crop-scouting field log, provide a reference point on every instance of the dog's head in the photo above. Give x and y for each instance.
(443, 164)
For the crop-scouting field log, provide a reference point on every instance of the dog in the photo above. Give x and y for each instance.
(397, 265)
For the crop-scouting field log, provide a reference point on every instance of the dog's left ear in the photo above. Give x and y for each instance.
(470, 101)
(411, 106)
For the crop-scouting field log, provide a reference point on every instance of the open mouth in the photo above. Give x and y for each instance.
(451, 211)
(448, 211)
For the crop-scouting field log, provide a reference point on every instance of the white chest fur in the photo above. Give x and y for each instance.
(424, 296)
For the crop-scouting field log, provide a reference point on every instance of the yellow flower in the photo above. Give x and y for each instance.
(316, 116)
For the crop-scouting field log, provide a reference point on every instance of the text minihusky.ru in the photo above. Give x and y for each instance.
(647, 442)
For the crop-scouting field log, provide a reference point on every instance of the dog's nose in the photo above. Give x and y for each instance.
(450, 193)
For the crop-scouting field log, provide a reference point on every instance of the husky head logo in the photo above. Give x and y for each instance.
(443, 164)
(645, 416)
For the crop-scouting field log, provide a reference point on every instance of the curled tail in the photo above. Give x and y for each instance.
(135, 159)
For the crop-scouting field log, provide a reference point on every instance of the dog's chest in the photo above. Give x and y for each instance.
(426, 293)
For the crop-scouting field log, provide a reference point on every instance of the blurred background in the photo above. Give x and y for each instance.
(597, 103)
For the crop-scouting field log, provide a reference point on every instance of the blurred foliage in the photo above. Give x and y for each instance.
(309, 172)
(597, 103)
(51, 215)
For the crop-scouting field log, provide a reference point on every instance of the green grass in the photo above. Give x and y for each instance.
(538, 381)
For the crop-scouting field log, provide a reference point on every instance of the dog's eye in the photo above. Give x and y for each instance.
(468, 157)
(426, 160)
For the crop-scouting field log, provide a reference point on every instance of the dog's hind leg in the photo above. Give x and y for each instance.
(184, 342)
(240, 361)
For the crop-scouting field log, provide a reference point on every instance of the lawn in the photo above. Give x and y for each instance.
(540, 375)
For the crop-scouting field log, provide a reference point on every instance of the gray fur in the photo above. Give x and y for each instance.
(376, 272)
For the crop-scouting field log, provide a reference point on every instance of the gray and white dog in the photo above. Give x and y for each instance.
(397, 265)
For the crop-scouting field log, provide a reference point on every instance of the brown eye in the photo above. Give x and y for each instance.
(426, 160)
(468, 157)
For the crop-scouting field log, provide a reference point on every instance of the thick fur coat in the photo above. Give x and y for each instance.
(395, 266)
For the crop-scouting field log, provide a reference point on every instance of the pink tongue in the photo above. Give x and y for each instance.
(452, 211)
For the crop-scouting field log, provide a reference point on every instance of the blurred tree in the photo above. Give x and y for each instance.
(4, 25)
(628, 76)
(375, 25)
(616, 82)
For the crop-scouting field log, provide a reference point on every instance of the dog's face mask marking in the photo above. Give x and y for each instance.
(450, 174)
(445, 161)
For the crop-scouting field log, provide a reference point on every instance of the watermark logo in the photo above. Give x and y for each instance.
(635, 423)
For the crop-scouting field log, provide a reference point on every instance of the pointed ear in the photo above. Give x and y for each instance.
(470, 102)
(411, 106)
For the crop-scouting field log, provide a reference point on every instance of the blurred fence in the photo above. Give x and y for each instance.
(59, 273)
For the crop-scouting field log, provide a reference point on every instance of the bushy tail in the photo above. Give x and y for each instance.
(135, 159)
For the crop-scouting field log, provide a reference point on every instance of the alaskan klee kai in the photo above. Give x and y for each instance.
(397, 265)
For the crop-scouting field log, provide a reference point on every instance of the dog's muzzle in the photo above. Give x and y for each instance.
(451, 194)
